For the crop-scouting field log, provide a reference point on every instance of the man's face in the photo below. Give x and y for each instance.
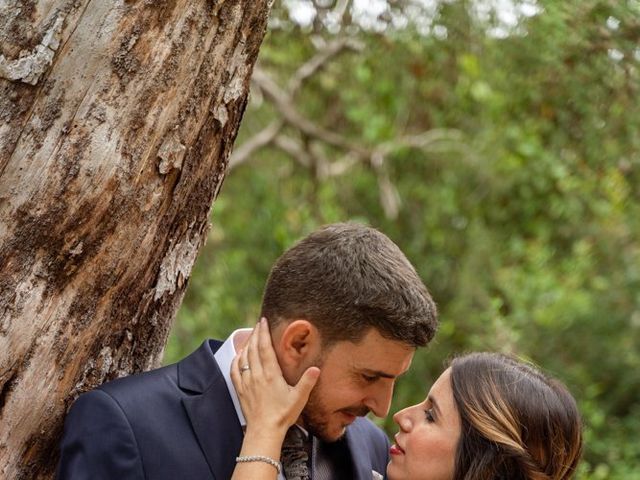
(355, 379)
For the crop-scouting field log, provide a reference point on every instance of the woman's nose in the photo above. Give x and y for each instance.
(402, 419)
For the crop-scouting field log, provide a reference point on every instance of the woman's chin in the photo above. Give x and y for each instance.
(392, 473)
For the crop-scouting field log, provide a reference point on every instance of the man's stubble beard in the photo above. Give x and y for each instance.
(316, 416)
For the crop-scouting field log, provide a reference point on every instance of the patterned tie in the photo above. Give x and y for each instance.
(295, 455)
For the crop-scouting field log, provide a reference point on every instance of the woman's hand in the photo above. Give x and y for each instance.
(270, 405)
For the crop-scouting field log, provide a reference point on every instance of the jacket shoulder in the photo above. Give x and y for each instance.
(145, 383)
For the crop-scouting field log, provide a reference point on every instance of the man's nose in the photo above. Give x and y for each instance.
(379, 399)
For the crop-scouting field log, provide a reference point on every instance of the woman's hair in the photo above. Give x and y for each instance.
(516, 423)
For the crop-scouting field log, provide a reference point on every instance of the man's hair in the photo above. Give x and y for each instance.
(345, 279)
(516, 423)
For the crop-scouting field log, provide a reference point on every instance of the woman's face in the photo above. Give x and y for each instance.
(426, 444)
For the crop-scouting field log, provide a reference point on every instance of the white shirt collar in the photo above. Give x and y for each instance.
(224, 356)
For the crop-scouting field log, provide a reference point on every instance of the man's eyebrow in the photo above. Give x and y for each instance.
(379, 373)
(435, 404)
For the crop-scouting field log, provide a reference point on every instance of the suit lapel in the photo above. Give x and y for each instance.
(358, 448)
(211, 411)
(351, 456)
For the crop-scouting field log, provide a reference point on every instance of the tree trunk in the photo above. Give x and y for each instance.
(116, 122)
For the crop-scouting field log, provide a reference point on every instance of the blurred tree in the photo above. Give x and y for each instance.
(498, 143)
(116, 124)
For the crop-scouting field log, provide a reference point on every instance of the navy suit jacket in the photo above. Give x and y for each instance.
(179, 422)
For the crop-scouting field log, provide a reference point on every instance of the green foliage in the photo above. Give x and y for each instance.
(526, 232)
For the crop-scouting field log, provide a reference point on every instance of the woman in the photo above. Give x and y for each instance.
(488, 417)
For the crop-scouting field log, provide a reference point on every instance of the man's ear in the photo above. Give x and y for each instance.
(297, 346)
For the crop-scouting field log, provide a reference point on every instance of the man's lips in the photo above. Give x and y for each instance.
(349, 416)
(352, 413)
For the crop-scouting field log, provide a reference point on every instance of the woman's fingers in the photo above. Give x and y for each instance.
(235, 374)
(243, 361)
(306, 383)
(253, 355)
(267, 353)
(267, 400)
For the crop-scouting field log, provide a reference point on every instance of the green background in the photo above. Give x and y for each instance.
(522, 216)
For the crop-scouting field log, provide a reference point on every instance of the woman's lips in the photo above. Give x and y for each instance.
(396, 450)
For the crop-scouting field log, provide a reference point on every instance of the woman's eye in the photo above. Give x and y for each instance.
(429, 415)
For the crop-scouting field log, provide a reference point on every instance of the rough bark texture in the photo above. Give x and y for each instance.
(116, 122)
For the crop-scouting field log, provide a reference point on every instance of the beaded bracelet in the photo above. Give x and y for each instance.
(260, 458)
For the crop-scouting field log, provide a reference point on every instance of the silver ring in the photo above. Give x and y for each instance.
(244, 368)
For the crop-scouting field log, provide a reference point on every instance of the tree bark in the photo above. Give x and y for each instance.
(116, 122)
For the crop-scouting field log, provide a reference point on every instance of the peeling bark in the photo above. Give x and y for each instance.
(116, 123)
(30, 66)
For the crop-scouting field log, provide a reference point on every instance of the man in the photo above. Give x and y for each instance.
(345, 298)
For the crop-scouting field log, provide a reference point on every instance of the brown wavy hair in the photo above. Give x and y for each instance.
(347, 278)
(517, 423)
